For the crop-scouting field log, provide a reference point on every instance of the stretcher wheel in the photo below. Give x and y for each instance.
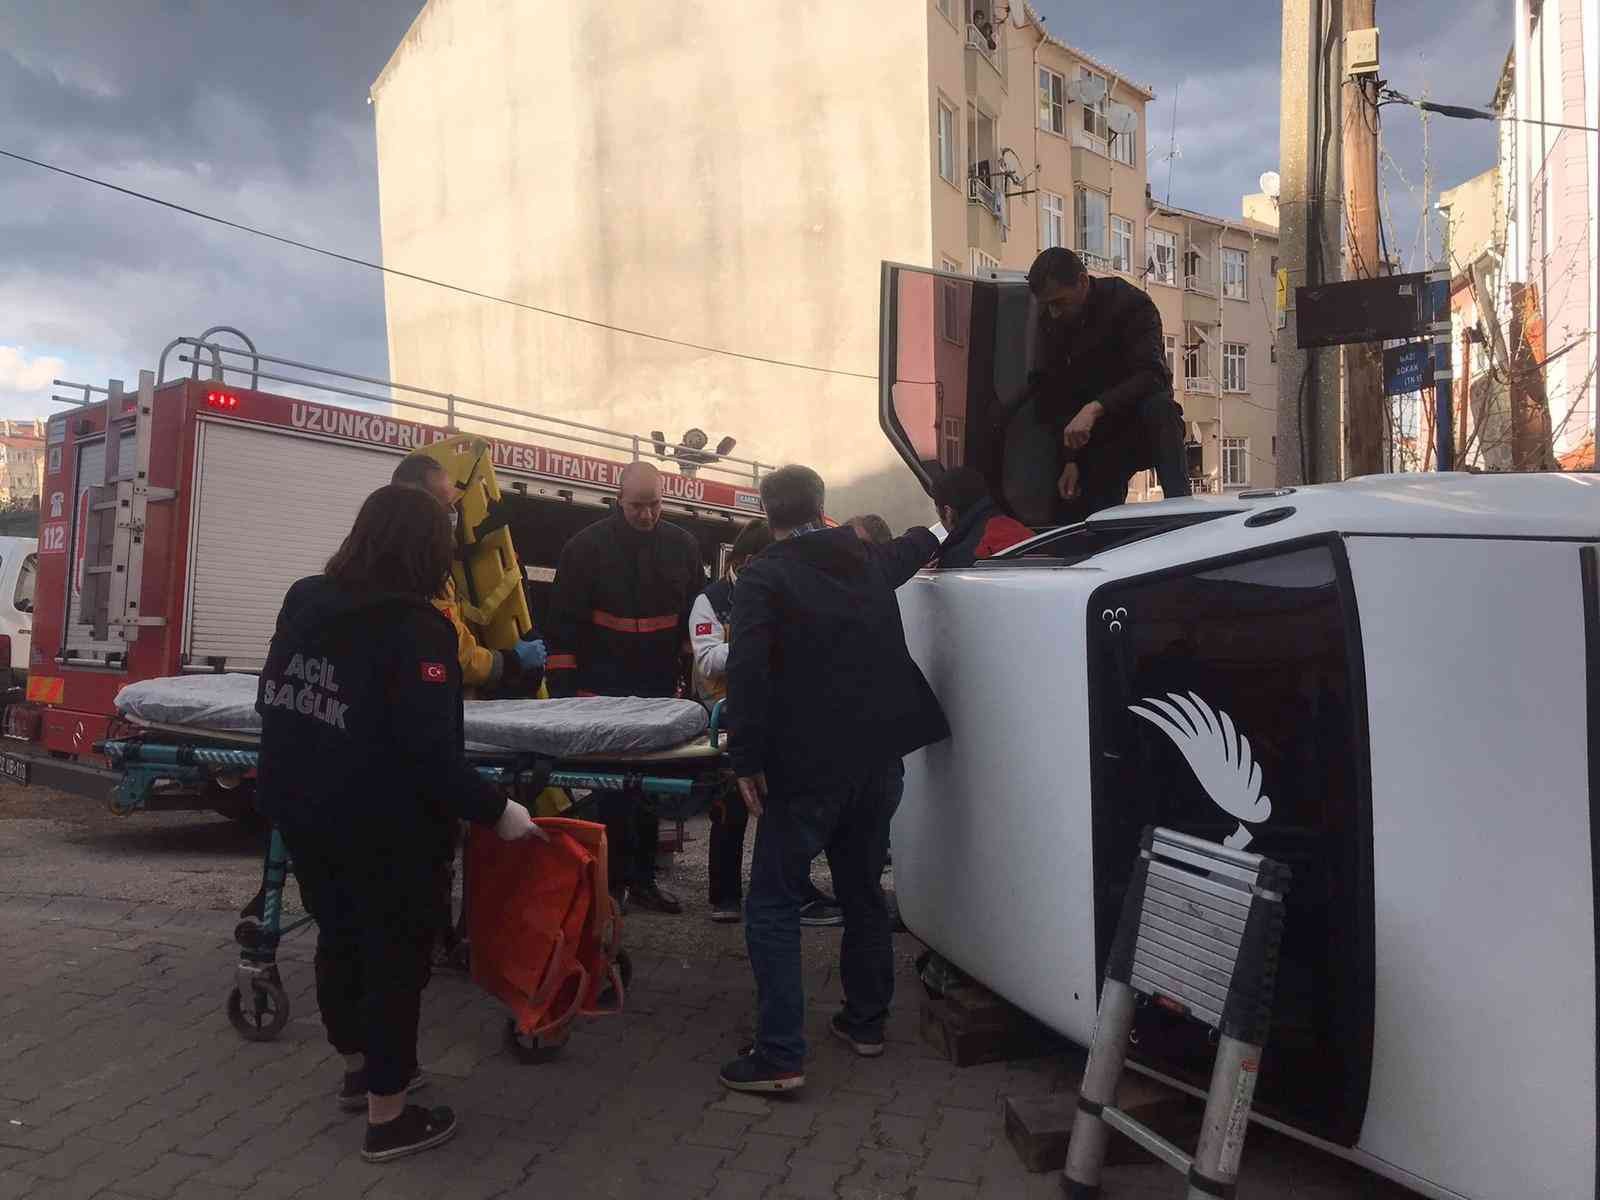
(263, 1018)
(532, 1051)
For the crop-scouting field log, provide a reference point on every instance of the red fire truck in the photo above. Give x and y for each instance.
(175, 516)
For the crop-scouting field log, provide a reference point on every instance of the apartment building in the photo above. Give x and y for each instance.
(1057, 153)
(728, 181)
(22, 451)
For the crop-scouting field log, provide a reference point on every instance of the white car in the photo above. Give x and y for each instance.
(1392, 685)
(19, 563)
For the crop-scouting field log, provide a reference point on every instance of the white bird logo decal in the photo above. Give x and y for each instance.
(1218, 755)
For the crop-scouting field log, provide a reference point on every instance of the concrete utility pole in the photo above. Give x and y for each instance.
(1309, 446)
(1364, 401)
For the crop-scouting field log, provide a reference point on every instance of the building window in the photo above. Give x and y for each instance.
(947, 142)
(1172, 355)
(1162, 252)
(950, 304)
(1272, 350)
(1094, 115)
(1236, 274)
(1122, 243)
(1235, 462)
(954, 442)
(1052, 220)
(1196, 369)
(1052, 101)
(983, 263)
(1094, 215)
(1234, 357)
(1121, 146)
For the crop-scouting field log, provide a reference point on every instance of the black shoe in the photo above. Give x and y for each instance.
(651, 898)
(353, 1095)
(752, 1073)
(866, 1045)
(726, 914)
(413, 1131)
(821, 912)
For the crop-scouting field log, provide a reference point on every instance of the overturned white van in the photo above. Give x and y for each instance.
(1392, 685)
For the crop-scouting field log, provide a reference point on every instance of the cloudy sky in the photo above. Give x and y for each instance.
(258, 112)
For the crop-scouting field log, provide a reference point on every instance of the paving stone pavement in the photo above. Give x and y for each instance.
(120, 1079)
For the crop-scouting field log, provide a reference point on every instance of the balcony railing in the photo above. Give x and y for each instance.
(1097, 262)
(1200, 384)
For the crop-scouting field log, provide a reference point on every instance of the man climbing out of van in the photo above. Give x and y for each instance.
(1105, 384)
(826, 696)
(978, 529)
(619, 622)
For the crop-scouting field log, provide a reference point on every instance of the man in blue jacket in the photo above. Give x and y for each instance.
(827, 698)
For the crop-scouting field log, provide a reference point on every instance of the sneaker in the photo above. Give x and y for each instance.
(353, 1095)
(821, 912)
(651, 898)
(752, 1073)
(413, 1131)
(866, 1045)
(726, 914)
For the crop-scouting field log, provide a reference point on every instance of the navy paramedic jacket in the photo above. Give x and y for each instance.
(619, 610)
(818, 671)
(361, 717)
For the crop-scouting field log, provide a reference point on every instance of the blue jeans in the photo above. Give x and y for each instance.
(849, 821)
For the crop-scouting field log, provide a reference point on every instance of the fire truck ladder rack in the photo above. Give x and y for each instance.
(1199, 935)
(224, 361)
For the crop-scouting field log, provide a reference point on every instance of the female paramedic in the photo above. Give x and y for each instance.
(361, 762)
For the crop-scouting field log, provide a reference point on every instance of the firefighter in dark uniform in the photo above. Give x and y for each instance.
(361, 759)
(618, 626)
(1104, 385)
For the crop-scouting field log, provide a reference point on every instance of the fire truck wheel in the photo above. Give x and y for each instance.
(263, 1018)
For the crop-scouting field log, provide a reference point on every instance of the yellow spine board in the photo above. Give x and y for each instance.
(487, 574)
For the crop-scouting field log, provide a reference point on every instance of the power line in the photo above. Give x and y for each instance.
(454, 287)
(1463, 113)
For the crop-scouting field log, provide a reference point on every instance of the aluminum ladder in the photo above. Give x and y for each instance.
(1199, 935)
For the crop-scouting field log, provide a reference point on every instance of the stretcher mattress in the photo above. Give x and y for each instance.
(582, 727)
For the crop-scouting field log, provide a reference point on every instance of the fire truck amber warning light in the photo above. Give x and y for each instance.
(223, 400)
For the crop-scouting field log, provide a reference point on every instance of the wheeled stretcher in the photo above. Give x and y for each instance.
(202, 730)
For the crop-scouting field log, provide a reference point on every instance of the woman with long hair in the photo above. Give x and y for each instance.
(362, 762)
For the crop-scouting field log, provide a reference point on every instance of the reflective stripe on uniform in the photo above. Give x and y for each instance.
(618, 624)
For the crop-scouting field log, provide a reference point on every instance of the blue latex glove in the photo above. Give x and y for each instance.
(531, 655)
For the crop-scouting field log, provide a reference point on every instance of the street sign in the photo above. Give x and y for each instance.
(1407, 368)
(1361, 310)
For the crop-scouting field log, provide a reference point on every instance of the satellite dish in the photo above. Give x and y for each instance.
(1086, 89)
(1121, 119)
(1270, 183)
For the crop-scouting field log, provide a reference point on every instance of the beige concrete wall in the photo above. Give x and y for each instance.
(947, 83)
(730, 177)
(1474, 216)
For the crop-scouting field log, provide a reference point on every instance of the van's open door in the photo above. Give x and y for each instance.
(954, 357)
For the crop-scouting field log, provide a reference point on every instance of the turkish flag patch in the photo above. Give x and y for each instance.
(703, 629)
(434, 673)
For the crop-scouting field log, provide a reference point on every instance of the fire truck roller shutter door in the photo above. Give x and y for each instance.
(269, 509)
